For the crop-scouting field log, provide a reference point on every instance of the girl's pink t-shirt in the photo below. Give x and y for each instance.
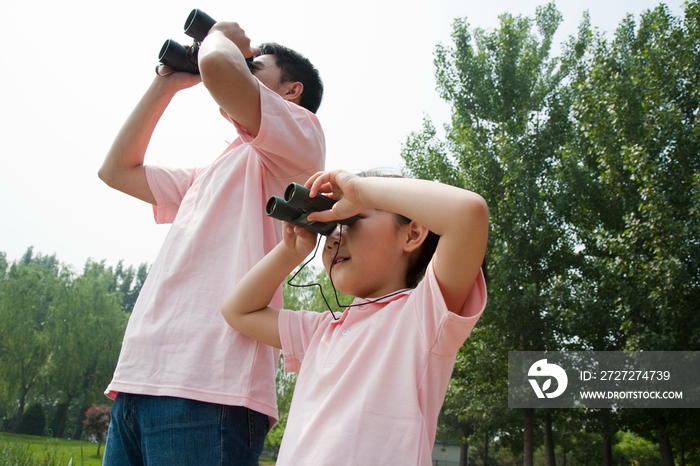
(177, 343)
(372, 383)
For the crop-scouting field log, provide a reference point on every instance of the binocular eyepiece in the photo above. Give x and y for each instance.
(181, 58)
(296, 206)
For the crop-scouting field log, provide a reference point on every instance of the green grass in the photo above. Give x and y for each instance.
(30, 451)
(51, 451)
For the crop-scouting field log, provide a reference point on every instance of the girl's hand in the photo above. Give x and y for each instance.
(342, 186)
(297, 240)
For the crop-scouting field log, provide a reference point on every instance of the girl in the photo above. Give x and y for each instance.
(371, 383)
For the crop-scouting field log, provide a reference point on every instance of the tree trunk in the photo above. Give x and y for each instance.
(17, 418)
(467, 431)
(607, 449)
(22, 405)
(550, 459)
(528, 436)
(682, 454)
(487, 437)
(78, 434)
(464, 453)
(664, 441)
(59, 424)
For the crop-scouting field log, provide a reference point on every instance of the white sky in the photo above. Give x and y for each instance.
(73, 70)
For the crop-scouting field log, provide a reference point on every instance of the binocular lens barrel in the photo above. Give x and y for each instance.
(278, 208)
(289, 192)
(177, 57)
(271, 205)
(297, 205)
(198, 24)
(299, 196)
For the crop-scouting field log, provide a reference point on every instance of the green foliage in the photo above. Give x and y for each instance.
(91, 313)
(27, 293)
(589, 163)
(33, 421)
(581, 447)
(311, 289)
(509, 125)
(273, 441)
(60, 335)
(631, 449)
(128, 282)
(633, 167)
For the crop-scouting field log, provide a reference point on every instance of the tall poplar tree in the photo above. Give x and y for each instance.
(509, 126)
(633, 170)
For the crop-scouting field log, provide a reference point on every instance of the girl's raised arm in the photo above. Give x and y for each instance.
(459, 216)
(247, 309)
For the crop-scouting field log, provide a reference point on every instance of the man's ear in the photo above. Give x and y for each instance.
(415, 234)
(292, 91)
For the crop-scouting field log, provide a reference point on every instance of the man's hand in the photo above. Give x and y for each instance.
(178, 79)
(237, 35)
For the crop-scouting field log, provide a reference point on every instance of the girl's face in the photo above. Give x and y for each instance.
(370, 260)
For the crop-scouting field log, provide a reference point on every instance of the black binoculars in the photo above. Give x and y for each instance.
(181, 58)
(296, 206)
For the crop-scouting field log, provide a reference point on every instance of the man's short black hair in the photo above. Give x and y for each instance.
(296, 67)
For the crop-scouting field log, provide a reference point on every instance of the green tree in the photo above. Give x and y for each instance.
(510, 123)
(632, 449)
(128, 283)
(636, 155)
(26, 296)
(86, 328)
(633, 168)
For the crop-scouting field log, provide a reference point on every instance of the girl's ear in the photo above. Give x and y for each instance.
(415, 234)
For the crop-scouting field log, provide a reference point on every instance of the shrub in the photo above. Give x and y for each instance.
(33, 421)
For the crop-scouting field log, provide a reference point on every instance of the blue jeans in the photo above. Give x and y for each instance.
(163, 431)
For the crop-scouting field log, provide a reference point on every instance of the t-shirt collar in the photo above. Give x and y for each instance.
(372, 304)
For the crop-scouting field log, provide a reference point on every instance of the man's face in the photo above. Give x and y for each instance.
(268, 72)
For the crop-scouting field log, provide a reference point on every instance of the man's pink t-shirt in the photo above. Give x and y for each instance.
(372, 383)
(177, 343)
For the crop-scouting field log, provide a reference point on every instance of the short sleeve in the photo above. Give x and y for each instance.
(445, 331)
(297, 328)
(168, 186)
(290, 140)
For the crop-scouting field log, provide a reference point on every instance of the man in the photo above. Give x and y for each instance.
(188, 389)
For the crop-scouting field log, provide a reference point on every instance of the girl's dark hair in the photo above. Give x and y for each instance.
(416, 268)
(296, 67)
